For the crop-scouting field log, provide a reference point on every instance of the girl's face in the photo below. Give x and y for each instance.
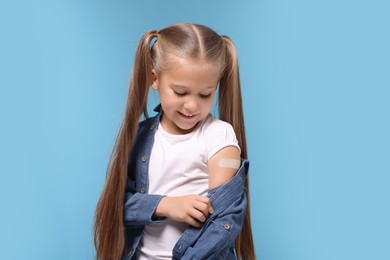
(186, 94)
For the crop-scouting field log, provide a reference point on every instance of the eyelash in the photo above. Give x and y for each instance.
(205, 96)
(179, 94)
(183, 94)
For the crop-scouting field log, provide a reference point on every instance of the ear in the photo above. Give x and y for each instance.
(154, 80)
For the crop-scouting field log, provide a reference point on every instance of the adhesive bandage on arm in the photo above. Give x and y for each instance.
(229, 163)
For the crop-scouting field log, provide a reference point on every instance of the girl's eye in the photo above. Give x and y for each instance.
(205, 96)
(180, 94)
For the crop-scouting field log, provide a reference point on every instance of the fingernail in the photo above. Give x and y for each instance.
(211, 211)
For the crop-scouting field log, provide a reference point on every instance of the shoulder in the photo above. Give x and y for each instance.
(213, 125)
(217, 135)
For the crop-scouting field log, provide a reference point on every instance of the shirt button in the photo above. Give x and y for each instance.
(151, 127)
(144, 158)
(142, 190)
(226, 226)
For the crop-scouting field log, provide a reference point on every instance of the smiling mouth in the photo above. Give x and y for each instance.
(186, 115)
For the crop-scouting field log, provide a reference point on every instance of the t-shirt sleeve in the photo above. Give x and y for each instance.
(219, 134)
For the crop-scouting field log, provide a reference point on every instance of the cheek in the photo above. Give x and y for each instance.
(211, 99)
(207, 103)
(166, 96)
(170, 100)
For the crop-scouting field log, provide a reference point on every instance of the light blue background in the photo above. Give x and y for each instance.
(315, 79)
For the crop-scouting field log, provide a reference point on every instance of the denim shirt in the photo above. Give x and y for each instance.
(215, 239)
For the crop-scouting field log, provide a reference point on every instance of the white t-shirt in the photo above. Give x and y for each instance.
(178, 166)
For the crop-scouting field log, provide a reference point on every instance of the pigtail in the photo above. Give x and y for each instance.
(109, 227)
(230, 110)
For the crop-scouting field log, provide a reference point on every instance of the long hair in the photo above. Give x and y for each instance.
(183, 41)
(231, 111)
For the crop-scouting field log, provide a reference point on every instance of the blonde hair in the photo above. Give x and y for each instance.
(183, 41)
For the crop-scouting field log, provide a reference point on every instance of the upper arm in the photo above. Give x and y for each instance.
(221, 171)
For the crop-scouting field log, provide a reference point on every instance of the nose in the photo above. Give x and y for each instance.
(190, 105)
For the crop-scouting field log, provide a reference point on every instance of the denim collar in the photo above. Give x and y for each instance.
(158, 108)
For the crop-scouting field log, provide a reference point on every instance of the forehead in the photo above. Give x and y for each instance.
(172, 62)
(190, 73)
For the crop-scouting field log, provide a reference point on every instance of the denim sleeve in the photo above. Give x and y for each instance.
(218, 236)
(139, 208)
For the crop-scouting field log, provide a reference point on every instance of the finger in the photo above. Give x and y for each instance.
(202, 207)
(206, 207)
(198, 215)
(203, 199)
(193, 222)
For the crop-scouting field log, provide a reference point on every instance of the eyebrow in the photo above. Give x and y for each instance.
(181, 86)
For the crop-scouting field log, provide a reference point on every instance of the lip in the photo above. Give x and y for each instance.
(186, 116)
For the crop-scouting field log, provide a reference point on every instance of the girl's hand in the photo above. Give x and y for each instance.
(191, 209)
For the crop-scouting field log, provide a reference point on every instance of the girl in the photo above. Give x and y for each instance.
(176, 186)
